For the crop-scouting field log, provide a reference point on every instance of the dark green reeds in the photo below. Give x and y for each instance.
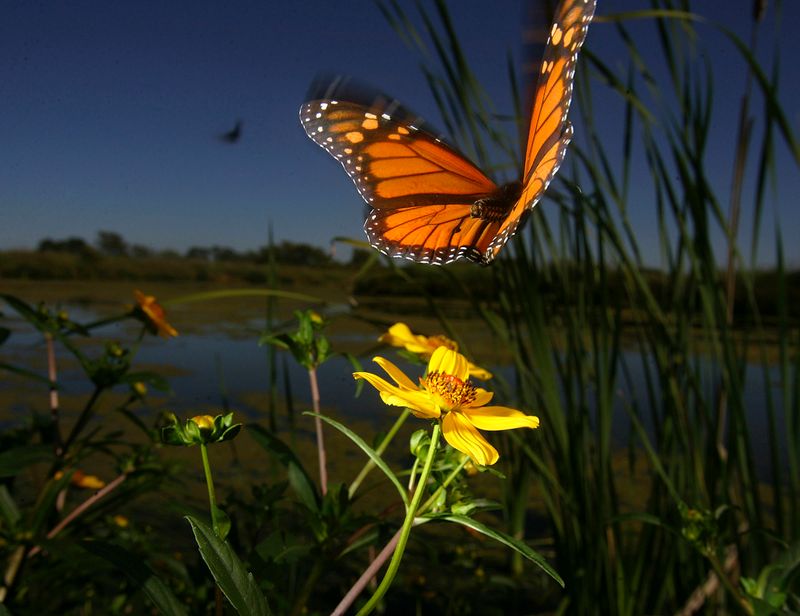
(655, 494)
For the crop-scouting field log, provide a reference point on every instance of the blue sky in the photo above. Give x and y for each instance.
(110, 111)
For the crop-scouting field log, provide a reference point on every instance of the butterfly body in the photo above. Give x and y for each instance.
(428, 202)
(496, 206)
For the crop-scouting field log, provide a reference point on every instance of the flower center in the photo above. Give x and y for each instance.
(451, 391)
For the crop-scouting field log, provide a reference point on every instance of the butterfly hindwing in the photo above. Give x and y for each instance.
(435, 234)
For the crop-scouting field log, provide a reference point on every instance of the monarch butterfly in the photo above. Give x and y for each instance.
(427, 202)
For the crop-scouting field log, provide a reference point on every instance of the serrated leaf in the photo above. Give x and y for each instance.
(236, 583)
(139, 573)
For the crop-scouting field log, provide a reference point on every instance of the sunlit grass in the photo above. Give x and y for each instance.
(692, 348)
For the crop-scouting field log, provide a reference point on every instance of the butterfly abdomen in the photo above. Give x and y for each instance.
(496, 207)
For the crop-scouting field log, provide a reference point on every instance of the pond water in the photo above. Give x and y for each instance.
(224, 361)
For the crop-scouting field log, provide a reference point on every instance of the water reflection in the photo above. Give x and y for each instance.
(220, 362)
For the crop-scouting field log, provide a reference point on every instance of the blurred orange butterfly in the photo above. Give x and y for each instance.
(428, 203)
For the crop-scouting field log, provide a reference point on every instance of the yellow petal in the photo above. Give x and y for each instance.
(400, 335)
(397, 335)
(462, 435)
(478, 372)
(499, 418)
(374, 380)
(447, 361)
(397, 375)
(418, 402)
(482, 397)
(420, 346)
(437, 358)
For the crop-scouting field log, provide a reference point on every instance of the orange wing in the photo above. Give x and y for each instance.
(550, 132)
(419, 188)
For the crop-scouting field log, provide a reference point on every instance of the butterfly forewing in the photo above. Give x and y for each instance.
(392, 164)
(549, 132)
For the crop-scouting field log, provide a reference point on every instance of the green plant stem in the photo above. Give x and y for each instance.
(388, 549)
(433, 497)
(405, 531)
(212, 506)
(369, 573)
(380, 449)
(725, 580)
(85, 416)
(107, 321)
(301, 602)
(212, 497)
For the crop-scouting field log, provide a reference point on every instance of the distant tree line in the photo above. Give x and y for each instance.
(112, 244)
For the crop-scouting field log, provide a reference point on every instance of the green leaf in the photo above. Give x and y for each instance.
(139, 573)
(373, 455)
(4, 611)
(24, 372)
(13, 460)
(46, 501)
(23, 309)
(515, 544)
(223, 522)
(283, 548)
(228, 293)
(298, 478)
(233, 579)
(8, 507)
(136, 420)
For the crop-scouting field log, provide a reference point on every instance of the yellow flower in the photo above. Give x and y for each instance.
(155, 314)
(139, 388)
(89, 482)
(400, 335)
(204, 422)
(121, 521)
(445, 394)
